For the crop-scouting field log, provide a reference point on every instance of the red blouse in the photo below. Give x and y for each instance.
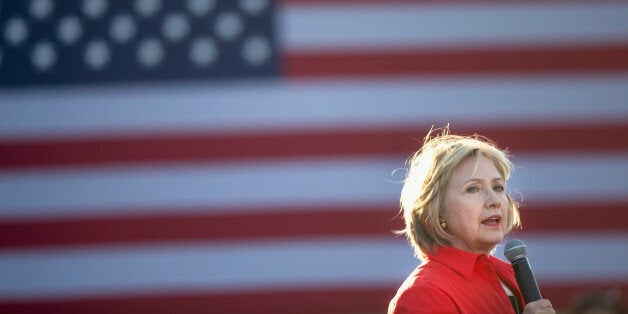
(456, 281)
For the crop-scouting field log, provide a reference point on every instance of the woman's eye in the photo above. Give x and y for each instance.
(499, 188)
(472, 189)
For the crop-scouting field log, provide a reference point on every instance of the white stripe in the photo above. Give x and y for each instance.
(570, 177)
(217, 186)
(228, 267)
(231, 187)
(263, 106)
(336, 27)
(241, 267)
(574, 257)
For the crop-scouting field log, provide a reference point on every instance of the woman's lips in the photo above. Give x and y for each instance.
(492, 220)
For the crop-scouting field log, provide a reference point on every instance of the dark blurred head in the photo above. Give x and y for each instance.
(598, 302)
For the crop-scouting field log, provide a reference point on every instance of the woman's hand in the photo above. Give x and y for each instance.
(538, 307)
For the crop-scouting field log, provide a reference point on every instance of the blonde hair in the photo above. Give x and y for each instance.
(430, 169)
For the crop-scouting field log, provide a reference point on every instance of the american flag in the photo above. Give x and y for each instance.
(246, 156)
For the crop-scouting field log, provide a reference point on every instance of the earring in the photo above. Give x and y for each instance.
(443, 224)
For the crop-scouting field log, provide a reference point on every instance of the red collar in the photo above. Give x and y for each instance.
(464, 262)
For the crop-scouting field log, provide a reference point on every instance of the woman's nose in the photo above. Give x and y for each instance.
(492, 200)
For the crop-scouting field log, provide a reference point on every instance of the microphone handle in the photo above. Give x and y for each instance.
(525, 280)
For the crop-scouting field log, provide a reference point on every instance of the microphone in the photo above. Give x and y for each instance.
(515, 252)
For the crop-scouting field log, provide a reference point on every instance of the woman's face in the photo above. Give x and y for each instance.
(476, 206)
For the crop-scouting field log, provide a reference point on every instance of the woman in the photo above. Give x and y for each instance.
(457, 209)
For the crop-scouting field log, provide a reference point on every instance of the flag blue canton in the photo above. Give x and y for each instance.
(47, 42)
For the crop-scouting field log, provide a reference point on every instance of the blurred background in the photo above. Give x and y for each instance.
(210, 156)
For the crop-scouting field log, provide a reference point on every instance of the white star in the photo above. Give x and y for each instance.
(43, 56)
(150, 53)
(200, 7)
(94, 8)
(175, 27)
(253, 7)
(256, 50)
(15, 31)
(147, 8)
(228, 26)
(203, 51)
(97, 54)
(122, 28)
(69, 30)
(40, 9)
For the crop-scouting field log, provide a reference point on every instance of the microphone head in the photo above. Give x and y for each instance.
(515, 249)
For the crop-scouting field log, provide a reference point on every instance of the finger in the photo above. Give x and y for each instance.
(545, 303)
(544, 306)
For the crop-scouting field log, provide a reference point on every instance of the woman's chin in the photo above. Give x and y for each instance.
(493, 239)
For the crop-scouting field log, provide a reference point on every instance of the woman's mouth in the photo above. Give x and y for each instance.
(492, 221)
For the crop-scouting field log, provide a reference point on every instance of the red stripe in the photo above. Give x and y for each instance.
(299, 301)
(544, 138)
(357, 220)
(462, 61)
(564, 295)
(582, 217)
(304, 222)
(334, 301)
(388, 2)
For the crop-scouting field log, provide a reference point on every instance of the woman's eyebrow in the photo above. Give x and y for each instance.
(472, 180)
(481, 180)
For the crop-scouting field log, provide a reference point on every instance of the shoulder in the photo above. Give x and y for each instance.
(421, 295)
